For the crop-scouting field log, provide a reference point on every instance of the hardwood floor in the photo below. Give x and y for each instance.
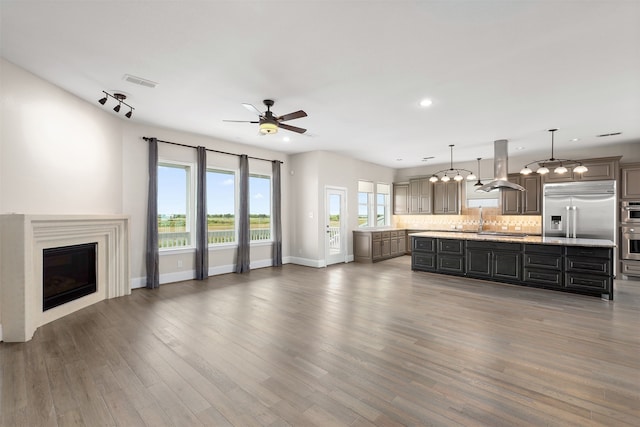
(348, 345)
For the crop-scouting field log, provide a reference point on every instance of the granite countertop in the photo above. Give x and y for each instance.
(517, 239)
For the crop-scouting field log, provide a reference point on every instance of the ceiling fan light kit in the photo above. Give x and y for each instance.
(454, 172)
(578, 167)
(268, 123)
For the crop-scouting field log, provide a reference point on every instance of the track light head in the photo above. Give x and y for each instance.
(103, 100)
(117, 108)
(128, 115)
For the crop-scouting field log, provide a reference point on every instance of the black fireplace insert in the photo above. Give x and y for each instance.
(69, 273)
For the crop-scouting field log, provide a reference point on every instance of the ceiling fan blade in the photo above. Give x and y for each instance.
(291, 116)
(252, 109)
(292, 128)
(239, 121)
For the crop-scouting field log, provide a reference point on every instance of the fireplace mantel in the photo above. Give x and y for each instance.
(22, 240)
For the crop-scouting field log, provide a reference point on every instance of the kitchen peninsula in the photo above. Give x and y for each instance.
(582, 266)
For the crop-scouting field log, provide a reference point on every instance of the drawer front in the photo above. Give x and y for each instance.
(584, 251)
(588, 265)
(543, 261)
(579, 281)
(451, 246)
(543, 249)
(450, 264)
(376, 236)
(424, 244)
(394, 234)
(500, 246)
(423, 261)
(630, 268)
(543, 277)
(386, 234)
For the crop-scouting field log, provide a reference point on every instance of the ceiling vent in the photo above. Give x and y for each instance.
(140, 81)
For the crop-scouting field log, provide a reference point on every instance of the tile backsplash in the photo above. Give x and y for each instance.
(469, 220)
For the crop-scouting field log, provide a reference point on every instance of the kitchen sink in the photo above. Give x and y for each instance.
(501, 234)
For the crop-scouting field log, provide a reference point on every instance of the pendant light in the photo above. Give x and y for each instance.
(560, 169)
(455, 173)
(479, 183)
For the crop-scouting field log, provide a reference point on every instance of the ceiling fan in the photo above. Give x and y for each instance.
(269, 123)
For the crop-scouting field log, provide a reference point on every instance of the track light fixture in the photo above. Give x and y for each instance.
(120, 97)
(456, 177)
(562, 163)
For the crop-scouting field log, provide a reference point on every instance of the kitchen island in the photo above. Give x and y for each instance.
(577, 265)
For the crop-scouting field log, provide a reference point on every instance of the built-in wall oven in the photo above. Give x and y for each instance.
(630, 238)
(630, 212)
(630, 242)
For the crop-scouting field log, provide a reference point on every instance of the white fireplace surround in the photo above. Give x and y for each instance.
(22, 241)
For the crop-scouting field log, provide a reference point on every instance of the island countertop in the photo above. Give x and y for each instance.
(540, 240)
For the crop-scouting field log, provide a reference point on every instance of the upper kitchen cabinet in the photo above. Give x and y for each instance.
(600, 169)
(420, 196)
(527, 202)
(630, 181)
(446, 197)
(401, 199)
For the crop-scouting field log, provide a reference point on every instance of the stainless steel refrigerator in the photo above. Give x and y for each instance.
(580, 209)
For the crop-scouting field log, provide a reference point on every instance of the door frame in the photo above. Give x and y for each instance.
(344, 238)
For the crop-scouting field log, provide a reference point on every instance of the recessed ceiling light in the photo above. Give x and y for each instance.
(519, 148)
(398, 160)
(286, 139)
(575, 139)
(426, 102)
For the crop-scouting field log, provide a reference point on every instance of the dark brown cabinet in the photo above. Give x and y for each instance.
(494, 260)
(528, 202)
(446, 197)
(543, 265)
(400, 199)
(589, 269)
(372, 246)
(450, 256)
(630, 181)
(600, 169)
(580, 269)
(420, 196)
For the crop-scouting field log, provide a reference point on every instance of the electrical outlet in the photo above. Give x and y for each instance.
(179, 263)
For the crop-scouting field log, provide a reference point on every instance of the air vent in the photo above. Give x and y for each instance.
(609, 134)
(424, 159)
(140, 81)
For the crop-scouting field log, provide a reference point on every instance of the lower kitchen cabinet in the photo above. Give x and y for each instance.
(450, 256)
(372, 246)
(494, 260)
(580, 269)
(589, 269)
(543, 265)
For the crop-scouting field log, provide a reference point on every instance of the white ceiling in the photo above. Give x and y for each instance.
(494, 69)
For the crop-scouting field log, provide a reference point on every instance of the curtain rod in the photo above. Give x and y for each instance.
(213, 151)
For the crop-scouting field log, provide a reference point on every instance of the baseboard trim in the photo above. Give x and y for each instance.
(316, 263)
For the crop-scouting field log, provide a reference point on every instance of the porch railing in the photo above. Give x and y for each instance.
(182, 239)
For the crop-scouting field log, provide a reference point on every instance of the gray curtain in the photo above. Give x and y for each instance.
(153, 256)
(276, 253)
(243, 257)
(202, 242)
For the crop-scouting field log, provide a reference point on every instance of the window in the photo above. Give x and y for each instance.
(383, 192)
(221, 207)
(259, 207)
(365, 204)
(174, 207)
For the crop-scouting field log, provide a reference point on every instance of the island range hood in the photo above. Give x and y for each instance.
(500, 169)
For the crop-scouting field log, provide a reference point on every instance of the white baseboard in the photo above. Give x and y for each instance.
(316, 263)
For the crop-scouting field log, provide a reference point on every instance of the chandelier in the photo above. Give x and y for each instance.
(451, 173)
(578, 167)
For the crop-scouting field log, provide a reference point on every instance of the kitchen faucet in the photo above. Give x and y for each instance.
(481, 222)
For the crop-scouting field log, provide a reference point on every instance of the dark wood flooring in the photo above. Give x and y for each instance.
(348, 345)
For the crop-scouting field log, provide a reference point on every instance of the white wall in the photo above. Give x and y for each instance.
(60, 155)
(313, 172)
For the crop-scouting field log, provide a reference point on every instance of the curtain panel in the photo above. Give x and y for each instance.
(276, 252)
(202, 241)
(243, 255)
(153, 252)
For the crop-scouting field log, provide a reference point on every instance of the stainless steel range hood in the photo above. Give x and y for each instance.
(500, 169)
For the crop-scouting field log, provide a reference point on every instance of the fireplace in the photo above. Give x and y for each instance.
(68, 273)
